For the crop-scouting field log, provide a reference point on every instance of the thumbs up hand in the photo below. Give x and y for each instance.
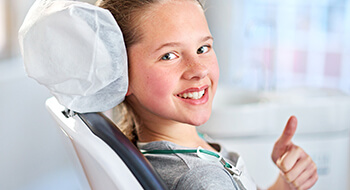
(298, 171)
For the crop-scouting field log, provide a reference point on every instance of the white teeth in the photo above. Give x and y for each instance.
(195, 95)
(192, 95)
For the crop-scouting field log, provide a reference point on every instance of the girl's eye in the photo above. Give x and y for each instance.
(168, 56)
(203, 49)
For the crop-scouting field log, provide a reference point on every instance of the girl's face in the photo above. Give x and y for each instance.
(173, 70)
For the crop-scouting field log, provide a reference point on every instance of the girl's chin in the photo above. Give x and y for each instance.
(198, 122)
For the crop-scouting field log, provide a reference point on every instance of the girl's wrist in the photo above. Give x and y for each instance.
(280, 184)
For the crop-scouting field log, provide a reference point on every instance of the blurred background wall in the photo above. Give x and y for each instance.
(263, 46)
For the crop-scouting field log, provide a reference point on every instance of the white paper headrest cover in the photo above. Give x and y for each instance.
(77, 51)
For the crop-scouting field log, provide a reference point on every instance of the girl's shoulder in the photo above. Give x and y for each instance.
(186, 170)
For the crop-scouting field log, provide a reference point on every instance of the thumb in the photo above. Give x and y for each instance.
(285, 140)
(288, 132)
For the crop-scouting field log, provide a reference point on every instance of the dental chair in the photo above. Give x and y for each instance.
(109, 160)
(77, 51)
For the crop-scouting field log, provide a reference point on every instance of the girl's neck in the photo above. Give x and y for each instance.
(178, 133)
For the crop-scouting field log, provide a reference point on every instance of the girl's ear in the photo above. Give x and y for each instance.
(128, 92)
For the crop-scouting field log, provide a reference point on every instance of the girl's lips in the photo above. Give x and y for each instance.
(194, 89)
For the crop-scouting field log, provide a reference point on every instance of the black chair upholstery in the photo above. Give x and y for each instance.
(107, 131)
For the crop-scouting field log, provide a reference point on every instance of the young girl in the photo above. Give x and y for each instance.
(173, 76)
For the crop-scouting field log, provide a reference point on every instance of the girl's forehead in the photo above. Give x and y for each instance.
(172, 5)
(172, 18)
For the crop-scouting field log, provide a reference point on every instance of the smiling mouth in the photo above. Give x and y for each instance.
(192, 95)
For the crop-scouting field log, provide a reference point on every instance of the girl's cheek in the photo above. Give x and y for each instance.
(215, 72)
(158, 84)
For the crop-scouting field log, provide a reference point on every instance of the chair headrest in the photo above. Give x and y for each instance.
(77, 51)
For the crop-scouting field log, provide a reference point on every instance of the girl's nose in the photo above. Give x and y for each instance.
(195, 70)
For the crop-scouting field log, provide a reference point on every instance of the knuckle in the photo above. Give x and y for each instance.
(295, 184)
(314, 166)
(309, 159)
(300, 150)
(310, 162)
(284, 166)
(288, 177)
(316, 178)
(315, 174)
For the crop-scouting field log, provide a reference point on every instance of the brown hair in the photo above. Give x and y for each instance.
(129, 14)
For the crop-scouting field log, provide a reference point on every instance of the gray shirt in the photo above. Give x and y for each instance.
(189, 171)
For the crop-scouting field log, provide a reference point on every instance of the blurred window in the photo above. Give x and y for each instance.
(270, 44)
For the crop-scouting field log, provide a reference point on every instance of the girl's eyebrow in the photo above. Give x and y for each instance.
(169, 44)
(173, 44)
(207, 38)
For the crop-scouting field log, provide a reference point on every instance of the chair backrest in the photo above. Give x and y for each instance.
(108, 158)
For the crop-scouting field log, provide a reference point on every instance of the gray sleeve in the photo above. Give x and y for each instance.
(208, 177)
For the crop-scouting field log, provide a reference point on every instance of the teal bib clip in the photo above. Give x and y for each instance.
(203, 154)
